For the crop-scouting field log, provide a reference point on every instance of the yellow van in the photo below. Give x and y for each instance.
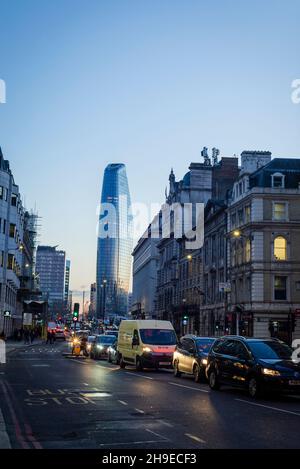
(146, 343)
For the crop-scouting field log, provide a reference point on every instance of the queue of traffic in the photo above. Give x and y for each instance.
(259, 365)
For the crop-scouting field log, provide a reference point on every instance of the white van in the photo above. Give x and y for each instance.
(146, 343)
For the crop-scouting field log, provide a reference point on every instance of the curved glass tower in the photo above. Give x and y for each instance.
(115, 244)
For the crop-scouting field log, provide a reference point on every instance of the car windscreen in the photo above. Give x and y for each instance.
(204, 345)
(158, 336)
(106, 339)
(270, 350)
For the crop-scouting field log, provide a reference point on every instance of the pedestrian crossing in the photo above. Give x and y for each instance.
(43, 350)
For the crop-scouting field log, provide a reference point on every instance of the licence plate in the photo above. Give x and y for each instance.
(293, 382)
(164, 363)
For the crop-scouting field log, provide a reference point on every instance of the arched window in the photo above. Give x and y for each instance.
(278, 180)
(280, 249)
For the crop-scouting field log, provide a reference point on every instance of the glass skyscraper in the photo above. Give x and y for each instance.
(114, 243)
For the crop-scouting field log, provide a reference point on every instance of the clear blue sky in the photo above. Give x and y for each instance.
(147, 83)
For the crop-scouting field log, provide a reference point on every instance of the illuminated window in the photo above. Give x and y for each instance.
(248, 250)
(247, 214)
(279, 211)
(280, 248)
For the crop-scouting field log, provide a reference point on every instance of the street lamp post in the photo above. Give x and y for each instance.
(103, 286)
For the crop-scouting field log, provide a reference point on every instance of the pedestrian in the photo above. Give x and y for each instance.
(32, 335)
(52, 337)
(26, 336)
(49, 337)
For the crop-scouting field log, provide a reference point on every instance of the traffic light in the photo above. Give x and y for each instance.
(76, 312)
(185, 320)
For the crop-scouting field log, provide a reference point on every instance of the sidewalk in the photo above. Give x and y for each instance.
(11, 345)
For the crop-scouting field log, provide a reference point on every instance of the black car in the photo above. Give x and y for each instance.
(190, 356)
(100, 346)
(258, 365)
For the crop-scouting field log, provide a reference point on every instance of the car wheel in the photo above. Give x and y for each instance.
(253, 388)
(177, 373)
(122, 363)
(138, 364)
(213, 381)
(197, 373)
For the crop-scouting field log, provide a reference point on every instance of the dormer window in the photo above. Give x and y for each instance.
(278, 180)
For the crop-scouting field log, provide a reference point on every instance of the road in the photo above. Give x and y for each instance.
(51, 401)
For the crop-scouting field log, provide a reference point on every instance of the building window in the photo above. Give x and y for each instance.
(247, 214)
(240, 253)
(280, 249)
(279, 211)
(12, 230)
(248, 250)
(213, 249)
(10, 262)
(280, 288)
(14, 200)
(241, 216)
(233, 220)
(221, 244)
(278, 180)
(233, 254)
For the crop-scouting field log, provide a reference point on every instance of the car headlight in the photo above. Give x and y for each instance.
(269, 372)
(204, 361)
(147, 349)
(100, 347)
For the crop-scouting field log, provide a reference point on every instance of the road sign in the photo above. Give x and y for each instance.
(7, 314)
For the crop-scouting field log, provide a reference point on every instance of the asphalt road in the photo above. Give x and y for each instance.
(51, 401)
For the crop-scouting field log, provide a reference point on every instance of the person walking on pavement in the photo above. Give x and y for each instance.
(49, 337)
(26, 336)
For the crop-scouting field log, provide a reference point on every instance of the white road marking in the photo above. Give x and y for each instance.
(167, 424)
(139, 376)
(277, 409)
(128, 443)
(86, 384)
(79, 362)
(123, 402)
(157, 434)
(196, 438)
(139, 411)
(106, 367)
(40, 364)
(188, 387)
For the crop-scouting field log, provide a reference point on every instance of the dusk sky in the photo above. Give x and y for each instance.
(145, 83)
